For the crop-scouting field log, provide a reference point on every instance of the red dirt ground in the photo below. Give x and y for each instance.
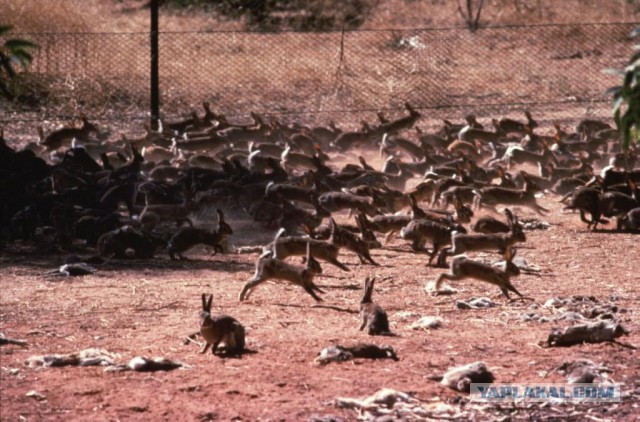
(147, 308)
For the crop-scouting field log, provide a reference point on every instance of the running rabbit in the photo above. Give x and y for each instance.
(189, 237)
(463, 267)
(269, 267)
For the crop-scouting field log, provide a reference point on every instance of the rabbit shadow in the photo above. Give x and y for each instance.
(319, 306)
(234, 354)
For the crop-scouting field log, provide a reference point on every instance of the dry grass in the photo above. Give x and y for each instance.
(130, 16)
(45, 15)
(443, 13)
(107, 73)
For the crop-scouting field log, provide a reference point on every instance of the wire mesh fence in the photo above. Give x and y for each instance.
(340, 76)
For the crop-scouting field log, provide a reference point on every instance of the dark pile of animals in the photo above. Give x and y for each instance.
(135, 198)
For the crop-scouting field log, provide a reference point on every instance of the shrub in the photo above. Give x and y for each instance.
(14, 53)
(626, 98)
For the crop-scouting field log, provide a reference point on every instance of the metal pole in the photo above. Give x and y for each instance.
(155, 89)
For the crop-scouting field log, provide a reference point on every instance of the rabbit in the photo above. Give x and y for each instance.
(587, 200)
(389, 224)
(179, 213)
(630, 221)
(515, 126)
(126, 242)
(420, 230)
(286, 246)
(490, 196)
(216, 329)
(462, 242)
(343, 238)
(488, 225)
(337, 201)
(268, 267)
(372, 315)
(463, 267)
(63, 136)
(188, 237)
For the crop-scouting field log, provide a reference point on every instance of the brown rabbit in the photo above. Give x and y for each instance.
(463, 242)
(188, 237)
(490, 196)
(343, 238)
(64, 136)
(372, 315)
(462, 267)
(216, 329)
(273, 268)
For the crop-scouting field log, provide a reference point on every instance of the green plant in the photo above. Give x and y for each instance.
(13, 52)
(626, 98)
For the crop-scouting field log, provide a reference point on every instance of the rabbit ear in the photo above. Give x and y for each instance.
(359, 222)
(209, 302)
(220, 215)
(332, 230)
(412, 201)
(366, 296)
(309, 256)
(509, 215)
(280, 232)
(204, 302)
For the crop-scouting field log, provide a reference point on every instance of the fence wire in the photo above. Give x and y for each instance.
(316, 77)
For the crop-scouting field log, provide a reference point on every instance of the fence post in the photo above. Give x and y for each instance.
(155, 90)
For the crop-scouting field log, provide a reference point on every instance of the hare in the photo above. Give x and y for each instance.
(273, 268)
(480, 136)
(188, 237)
(125, 242)
(389, 224)
(337, 201)
(462, 267)
(283, 247)
(630, 221)
(587, 200)
(343, 238)
(216, 329)
(372, 315)
(488, 225)
(392, 146)
(64, 136)
(403, 123)
(420, 230)
(179, 213)
(514, 126)
(462, 242)
(491, 196)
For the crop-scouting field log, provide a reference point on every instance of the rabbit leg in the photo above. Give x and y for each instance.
(539, 209)
(309, 288)
(436, 249)
(442, 258)
(364, 322)
(214, 346)
(387, 238)
(368, 257)
(205, 347)
(249, 286)
(238, 337)
(448, 276)
(510, 288)
(339, 264)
